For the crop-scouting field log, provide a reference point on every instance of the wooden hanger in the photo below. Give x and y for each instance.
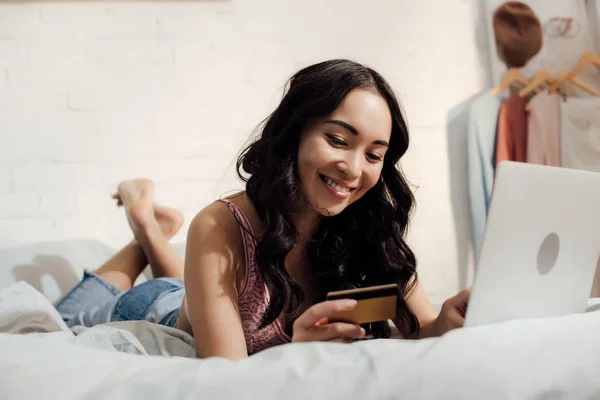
(578, 82)
(540, 78)
(587, 59)
(513, 75)
(565, 77)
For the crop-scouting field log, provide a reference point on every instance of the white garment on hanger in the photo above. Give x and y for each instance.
(580, 133)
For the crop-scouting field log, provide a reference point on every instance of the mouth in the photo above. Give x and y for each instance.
(336, 188)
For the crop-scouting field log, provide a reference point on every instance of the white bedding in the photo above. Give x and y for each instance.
(529, 359)
(54, 268)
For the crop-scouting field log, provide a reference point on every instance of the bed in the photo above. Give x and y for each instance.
(40, 358)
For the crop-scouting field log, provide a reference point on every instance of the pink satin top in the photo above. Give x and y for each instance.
(253, 298)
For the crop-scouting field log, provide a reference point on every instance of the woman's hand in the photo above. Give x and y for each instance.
(453, 313)
(317, 324)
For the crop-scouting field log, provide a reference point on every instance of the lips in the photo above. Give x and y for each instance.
(335, 185)
(339, 190)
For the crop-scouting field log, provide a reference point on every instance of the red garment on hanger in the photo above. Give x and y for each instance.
(511, 143)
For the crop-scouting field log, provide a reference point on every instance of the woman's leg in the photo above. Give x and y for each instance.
(152, 225)
(107, 294)
(123, 268)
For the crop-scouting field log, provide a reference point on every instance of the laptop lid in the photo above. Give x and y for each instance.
(541, 244)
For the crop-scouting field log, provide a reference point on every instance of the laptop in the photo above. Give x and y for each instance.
(541, 244)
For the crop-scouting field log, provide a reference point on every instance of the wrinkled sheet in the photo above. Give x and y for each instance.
(40, 358)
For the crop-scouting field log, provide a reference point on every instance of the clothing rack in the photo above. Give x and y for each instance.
(544, 80)
(533, 124)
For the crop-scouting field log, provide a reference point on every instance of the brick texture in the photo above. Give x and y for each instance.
(92, 93)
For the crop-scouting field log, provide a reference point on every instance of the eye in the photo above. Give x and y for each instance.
(374, 157)
(335, 140)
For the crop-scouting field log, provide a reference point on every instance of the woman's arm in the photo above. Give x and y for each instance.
(451, 316)
(419, 303)
(210, 283)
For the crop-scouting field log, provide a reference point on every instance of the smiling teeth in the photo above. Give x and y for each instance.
(337, 187)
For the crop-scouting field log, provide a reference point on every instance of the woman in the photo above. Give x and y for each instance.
(325, 208)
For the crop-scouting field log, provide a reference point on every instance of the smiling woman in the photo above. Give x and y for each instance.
(326, 208)
(344, 155)
(323, 176)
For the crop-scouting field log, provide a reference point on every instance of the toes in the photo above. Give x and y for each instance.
(117, 197)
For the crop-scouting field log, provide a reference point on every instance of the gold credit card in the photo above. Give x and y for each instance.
(375, 303)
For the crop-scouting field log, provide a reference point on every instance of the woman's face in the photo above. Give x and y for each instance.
(341, 156)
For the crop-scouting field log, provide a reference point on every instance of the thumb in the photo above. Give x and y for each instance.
(461, 300)
(464, 295)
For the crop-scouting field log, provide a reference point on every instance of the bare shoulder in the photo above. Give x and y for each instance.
(214, 246)
(215, 221)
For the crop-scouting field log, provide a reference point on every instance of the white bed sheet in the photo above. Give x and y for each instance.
(529, 359)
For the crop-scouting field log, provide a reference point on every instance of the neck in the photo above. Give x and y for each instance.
(296, 263)
(306, 224)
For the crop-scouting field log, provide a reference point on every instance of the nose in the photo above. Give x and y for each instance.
(350, 165)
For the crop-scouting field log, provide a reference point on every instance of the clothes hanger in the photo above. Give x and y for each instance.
(513, 75)
(540, 78)
(565, 77)
(587, 59)
(577, 81)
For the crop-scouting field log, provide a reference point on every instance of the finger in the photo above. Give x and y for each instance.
(321, 322)
(459, 322)
(323, 310)
(335, 331)
(460, 301)
(461, 297)
(456, 319)
(117, 197)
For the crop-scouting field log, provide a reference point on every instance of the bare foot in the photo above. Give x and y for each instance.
(152, 226)
(136, 193)
(169, 219)
(136, 196)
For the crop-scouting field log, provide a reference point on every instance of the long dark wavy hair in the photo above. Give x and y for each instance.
(362, 246)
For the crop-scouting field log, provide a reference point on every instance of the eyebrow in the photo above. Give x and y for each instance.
(354, 131)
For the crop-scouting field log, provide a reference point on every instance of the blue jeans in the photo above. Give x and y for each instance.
(95, 301)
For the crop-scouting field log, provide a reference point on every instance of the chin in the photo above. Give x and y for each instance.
(331, 211)
(326, 204)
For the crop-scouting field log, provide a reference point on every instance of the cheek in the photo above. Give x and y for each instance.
(311, 157)
(370, 179)
(305, 168)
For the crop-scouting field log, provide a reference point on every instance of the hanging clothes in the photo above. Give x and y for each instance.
(483, 119)
(580, 133)
(511, 142)
(543, 130)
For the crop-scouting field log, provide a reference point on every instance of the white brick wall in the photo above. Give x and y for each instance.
(92, 93)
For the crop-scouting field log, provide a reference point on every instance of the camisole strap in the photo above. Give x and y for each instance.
(249, 242)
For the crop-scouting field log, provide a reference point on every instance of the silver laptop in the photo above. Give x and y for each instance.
(541, 244)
